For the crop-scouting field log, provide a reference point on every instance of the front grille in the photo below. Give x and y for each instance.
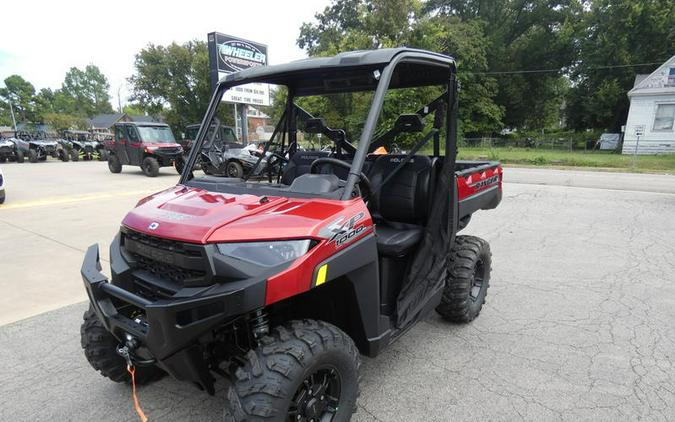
(178, 275)
(168, 150)
(163, 266)
(88, 149)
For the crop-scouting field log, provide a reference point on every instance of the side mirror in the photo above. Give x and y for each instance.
(315, 125)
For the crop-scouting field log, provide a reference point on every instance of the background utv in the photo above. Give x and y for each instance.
(148, 145)
(279, 287)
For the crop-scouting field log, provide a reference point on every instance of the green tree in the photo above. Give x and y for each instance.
(84, 93)
(365, 24)
(617, 33)
(133, 110)
(44, 103)
(21, 94)
(523, 35)
(173, 81)
(61, 122)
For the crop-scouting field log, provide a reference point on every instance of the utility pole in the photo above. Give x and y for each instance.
(11, 111)
(244, 122)
(119, 100)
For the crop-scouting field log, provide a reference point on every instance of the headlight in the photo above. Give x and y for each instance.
(267, 254)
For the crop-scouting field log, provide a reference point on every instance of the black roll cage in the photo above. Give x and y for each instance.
(288, 124)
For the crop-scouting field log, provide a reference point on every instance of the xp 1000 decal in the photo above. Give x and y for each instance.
(343, 230)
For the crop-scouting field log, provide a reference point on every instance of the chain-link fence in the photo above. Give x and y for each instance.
(559, 143)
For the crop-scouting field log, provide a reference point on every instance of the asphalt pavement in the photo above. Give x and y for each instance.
(578, 324)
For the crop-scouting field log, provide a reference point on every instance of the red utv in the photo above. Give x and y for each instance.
(148, 145)
(279, 287)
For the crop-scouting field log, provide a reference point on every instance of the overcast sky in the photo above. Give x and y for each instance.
(41, 40)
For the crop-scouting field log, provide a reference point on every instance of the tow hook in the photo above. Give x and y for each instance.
(127, 352)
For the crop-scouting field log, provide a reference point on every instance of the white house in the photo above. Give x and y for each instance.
(651, 116)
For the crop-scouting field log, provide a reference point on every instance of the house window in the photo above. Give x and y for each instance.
(671, 77)
(665, 114)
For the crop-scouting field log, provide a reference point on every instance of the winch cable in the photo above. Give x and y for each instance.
(126, 351)
(137, 406)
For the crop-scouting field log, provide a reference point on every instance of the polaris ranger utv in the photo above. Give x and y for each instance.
(280, 287)
(148, 145)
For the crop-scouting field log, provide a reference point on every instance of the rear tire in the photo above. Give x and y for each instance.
(32, 156)
(3, 159)
(103, 155)
(150, 167)
(114, 164)
(100, 350)
(235, 170)
(20, 158)
(74, 155)
(467, 279)
(302, 369)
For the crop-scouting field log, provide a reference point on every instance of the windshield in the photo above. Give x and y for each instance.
(225, 134)
(325, 118)
(156, 134)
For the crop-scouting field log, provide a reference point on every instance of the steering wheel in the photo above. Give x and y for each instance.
(334, 161)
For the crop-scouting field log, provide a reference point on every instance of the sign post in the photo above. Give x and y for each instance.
(228, 54)
(638, 130)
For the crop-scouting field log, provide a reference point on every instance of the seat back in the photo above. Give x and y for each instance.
(405, 197)
(299, 164)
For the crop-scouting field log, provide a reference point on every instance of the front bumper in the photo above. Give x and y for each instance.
(168, 330)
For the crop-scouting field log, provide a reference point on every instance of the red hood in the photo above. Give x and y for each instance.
(161, 145)
(197, 216)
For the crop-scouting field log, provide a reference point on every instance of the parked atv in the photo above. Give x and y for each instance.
(280, 287)
(36, 146)
(9, 150)
(2, 188)
(83, 145)
(148, 145)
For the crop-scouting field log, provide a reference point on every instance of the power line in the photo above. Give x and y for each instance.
(516, 72)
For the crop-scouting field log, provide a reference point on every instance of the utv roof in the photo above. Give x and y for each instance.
(142, 124)
(296, 73)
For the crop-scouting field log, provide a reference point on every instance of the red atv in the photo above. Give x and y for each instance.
(148, 145)
(280, 287)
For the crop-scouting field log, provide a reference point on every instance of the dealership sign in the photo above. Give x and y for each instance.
(229, 54)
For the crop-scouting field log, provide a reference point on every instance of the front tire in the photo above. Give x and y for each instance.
(179, 163)
(74, 155)
(150, 167)
(304, 370)
(467, 279)
(32, 156)
(114, 164)
(20, 158)
(234, 169)
(100, 350)
(64, 156)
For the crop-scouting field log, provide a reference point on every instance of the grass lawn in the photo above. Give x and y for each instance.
(553, 158)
